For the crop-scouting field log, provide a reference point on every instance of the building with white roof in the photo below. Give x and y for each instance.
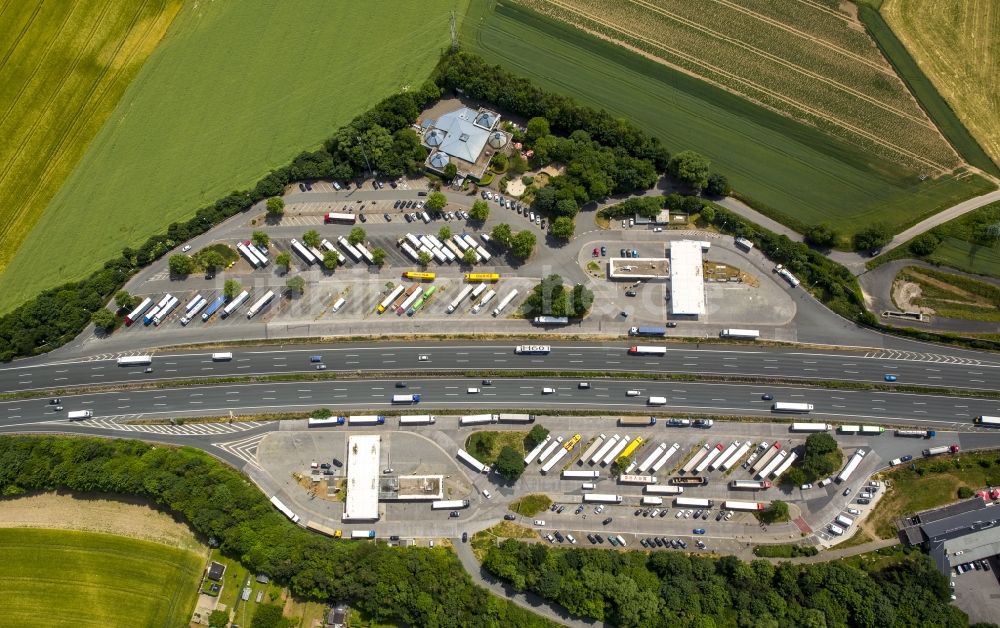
(362, 478)
(687, 278)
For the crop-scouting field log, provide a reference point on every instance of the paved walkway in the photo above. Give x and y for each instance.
(529, 601)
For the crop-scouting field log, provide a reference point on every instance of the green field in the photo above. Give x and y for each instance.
(63, 578)
(792, 171)
(233, 90)
(64, 67)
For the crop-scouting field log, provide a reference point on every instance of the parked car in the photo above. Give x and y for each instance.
(509, 517)
(806, 487)
(465, 537)
(487, 494)
(539, 522)
(578, 510)
(847, 491)
(592, 539)
(604, 251)
(630, 293)
(559, 536)
(699, 530)
(607, 521)
(454, 513)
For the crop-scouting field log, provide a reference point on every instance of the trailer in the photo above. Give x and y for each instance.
(250, 257)
(409, 398)
(464, 292)
(872, 429)
(766, 457)
(410, 252)
(663, 489)
(387, 301)
(656, 401)
(213, 307)
(693, 502)
(366, 419)
(591, 450)
(315, 527)
(772, 465)
(636, 479)
(550, 321)
(851, 466)
(454, 248)
(504, 302)
(693, 480)
(411, 297)
(646, 330)
(712, 466)
(260, 303)
(987, 421)
(709, 458)
(663, 460)
(193, 311)
(478, 290)
(349, 248)
(486, 299)
(551, 449)
(257, 252)
(696, 458)
(285, 510)
(942, 449)
(235, 304)
(784, 465)
(537, 450)
(916, 433)
(848, 429)
(601, 498)
(811, 427)
(581, 475)
(333, 421)
(478, 419)
(151, 314)
(751, 485)
(736, 456)
(782, 406)
(79, 415)
(165, 311)
(360, 535)
(421, 301)
(516, 418)
(648, 500)
(747, 334)
(612, 455)
(647, 350)
(560, 454)
(624, 422)
(732, 504)
(611, 442)
(303, 252)
(417, 419)
(651, 458)
(449, 504)
(134, 315)
(468, 459)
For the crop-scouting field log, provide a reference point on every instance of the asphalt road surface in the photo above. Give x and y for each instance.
(606, 396)
(911, 368)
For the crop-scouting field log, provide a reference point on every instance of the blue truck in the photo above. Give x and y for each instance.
(213, 307)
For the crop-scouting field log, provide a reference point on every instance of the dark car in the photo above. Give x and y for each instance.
(400, 384)
(592, 539)
(663, 513)
(337, 463)
(408, 217)
(767, 396)
(325, 465)
(362, 218)
(55, 402)
(607, 521)
(671, 324)
(374, 185)
(600, 539)
(721, 514)
(509, 517)
(394, 537)
(847, 491)
(560, 509)
(392, 184)
(642, 542)
(465, 537)
(863, 501)
(421, 193)
(487, 382)
(387, 217)
(302, 187)
(699, 530)
(658, 542)
(906, 458)
(396, 204)
(638, 511)
(559, 536)
(623, 252)
(309, 186)
(553, 507)
(630, 293)
(604, 251)
(578, 510)
(454, 513)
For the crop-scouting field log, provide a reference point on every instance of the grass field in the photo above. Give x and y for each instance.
(795, 172)
(235, 89)
(802, 59)
(63, 578)
(64, 68)
(953, 296)
(957, 44)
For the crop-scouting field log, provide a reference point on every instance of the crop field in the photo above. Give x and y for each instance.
(795, 172)
(65, 578)
(233, 90)
(802, 59)
(957, 44)
(63, 69)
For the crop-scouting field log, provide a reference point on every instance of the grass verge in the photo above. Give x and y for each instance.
(486, 446)
(954, 296)
(95, 579)
(531, 505)
(483, 540)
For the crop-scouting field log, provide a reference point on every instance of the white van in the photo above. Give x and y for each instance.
(472, 391)
(632, 393)
(826, 482)
(548, 391)
(619, 538)
(844, 521)
(836, 530)
(588, 486)
(339, 304)
(222, 357)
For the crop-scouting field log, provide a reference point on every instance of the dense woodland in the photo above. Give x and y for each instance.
(413, 586)
(674, 589)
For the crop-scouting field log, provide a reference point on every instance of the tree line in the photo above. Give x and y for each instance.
(408, 586)
(670, 589)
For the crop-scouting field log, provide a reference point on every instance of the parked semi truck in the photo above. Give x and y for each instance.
(941, 449)
(647, 331)
(624, 422)
(916, 433)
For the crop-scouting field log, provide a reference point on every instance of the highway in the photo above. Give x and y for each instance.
(605, 397)
(869, 366)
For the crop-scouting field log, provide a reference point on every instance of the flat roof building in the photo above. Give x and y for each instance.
(687, 278)
(959, 533)
(362, 478)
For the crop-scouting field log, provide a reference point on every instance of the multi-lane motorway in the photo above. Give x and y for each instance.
(871, 366)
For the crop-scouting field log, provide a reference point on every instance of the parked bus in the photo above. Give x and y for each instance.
(303, 252)
(340, 217)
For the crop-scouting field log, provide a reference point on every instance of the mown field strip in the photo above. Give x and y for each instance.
(916, 157)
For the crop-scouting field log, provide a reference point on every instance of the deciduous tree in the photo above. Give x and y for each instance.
(296, 284)
(275, 206)
(480, 211)
(180, 265)
(357, 235)
(691, 168)
(436, 201)
(562, 228)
